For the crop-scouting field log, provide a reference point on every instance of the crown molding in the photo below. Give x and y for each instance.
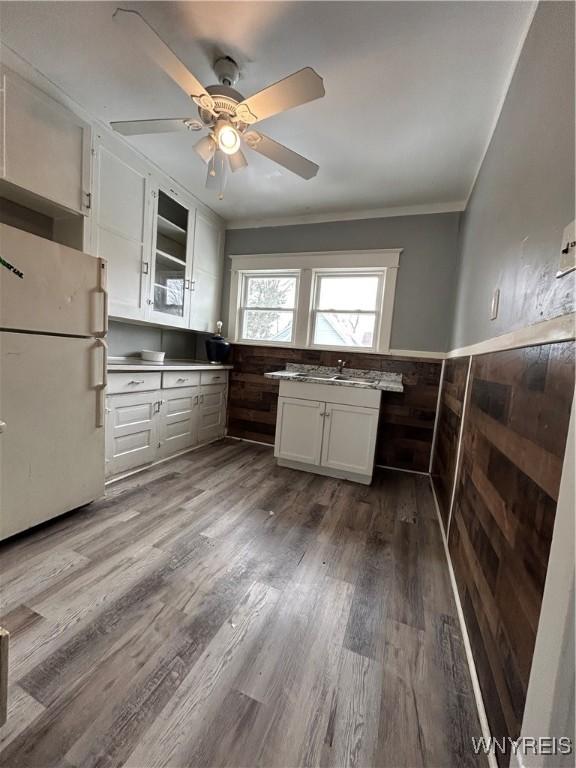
(322, 218)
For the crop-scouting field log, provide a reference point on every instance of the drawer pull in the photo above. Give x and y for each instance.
(136, 381)
(182, 379)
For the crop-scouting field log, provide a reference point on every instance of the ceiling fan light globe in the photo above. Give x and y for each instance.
(228, 139)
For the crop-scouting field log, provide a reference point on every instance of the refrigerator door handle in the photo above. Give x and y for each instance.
(102, 282)
(101, 388)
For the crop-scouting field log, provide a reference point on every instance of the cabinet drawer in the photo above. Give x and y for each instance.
(120, 383)
(213, 377)
(180, 379)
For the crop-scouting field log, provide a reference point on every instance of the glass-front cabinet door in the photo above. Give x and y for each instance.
(172, 260)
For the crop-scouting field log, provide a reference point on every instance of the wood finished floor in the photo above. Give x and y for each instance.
(180, 623)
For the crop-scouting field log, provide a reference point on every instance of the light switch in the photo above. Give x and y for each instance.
(495, 303)
(568, 251)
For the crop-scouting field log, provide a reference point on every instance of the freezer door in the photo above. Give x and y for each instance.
(51, 447)
(46, 287)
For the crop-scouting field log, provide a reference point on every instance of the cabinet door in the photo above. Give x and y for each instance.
(174, 217)
(212, 414)
(122, 226)
(299, 430)
(349, 438)
(46, 148)
(205, 305)
(178, 420)
(131, 431)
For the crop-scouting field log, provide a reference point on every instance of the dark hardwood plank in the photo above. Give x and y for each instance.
(407, 419)
(448, 431)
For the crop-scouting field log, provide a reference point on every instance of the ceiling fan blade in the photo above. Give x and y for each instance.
(280, 154)
(139, 127)
(299, 88)
(156, 49)
(216, 178)
(205, 148)
(237, 161)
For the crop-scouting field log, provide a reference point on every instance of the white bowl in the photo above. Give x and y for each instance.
(151, 356)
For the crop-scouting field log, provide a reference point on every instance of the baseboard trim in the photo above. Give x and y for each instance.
(254, 442)
(401, 469)
(561, 328)
(492, 762)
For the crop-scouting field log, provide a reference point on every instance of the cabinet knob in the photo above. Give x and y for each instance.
(2, 426)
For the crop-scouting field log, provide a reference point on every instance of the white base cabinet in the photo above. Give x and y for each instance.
(131, 431)
(186, 410)
(327, 429)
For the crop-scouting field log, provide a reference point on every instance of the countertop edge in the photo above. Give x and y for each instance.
(288, 376)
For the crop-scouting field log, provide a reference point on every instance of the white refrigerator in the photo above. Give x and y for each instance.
(53, 323)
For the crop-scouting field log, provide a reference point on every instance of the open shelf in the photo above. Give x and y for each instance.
(168, 257)
(171, 230)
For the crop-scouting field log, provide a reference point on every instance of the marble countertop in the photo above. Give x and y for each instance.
(351, 377)
(128, 364)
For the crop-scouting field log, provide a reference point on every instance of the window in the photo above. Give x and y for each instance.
(268, 306)
(345, 310)
(325, 300)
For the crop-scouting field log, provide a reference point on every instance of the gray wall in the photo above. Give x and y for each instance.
(423, 309)
(129, 339)
(524, 194)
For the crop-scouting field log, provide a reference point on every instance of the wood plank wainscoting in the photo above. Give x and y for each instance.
(406, 421)
(513, 443)
(448, 431)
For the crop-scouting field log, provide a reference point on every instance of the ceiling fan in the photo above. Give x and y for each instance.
(226, 114)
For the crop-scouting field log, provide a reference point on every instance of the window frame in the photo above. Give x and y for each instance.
(244, 276)
(317, 275)
(305, 265)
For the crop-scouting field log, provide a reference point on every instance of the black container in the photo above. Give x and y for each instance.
(217, 348)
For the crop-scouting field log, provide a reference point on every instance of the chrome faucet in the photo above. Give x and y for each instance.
(341, 364)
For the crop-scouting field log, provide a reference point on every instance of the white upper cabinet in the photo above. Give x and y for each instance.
(122, 225)
(45, 147)
(207, 274)
(171, 269)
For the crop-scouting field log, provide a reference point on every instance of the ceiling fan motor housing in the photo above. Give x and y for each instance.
(227, 71)
(225, 100)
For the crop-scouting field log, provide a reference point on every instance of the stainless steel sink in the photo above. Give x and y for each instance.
(316, 376)
(335, 377)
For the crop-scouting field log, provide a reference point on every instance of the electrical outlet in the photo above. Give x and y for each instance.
(495, 304)
(568, 251)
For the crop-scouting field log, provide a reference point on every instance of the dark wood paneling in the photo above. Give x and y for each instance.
(406, 420)
(512, 451)
(448, 430)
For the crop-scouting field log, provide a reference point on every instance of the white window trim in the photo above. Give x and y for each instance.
(241, 303)
(386, 261)
(317, 275)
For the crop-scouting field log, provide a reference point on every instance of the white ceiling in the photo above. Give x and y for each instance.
(412, 91)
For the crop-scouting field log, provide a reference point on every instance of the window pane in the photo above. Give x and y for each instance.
(271, 291)
(333, 329)
(267, 325)
(348, 292)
